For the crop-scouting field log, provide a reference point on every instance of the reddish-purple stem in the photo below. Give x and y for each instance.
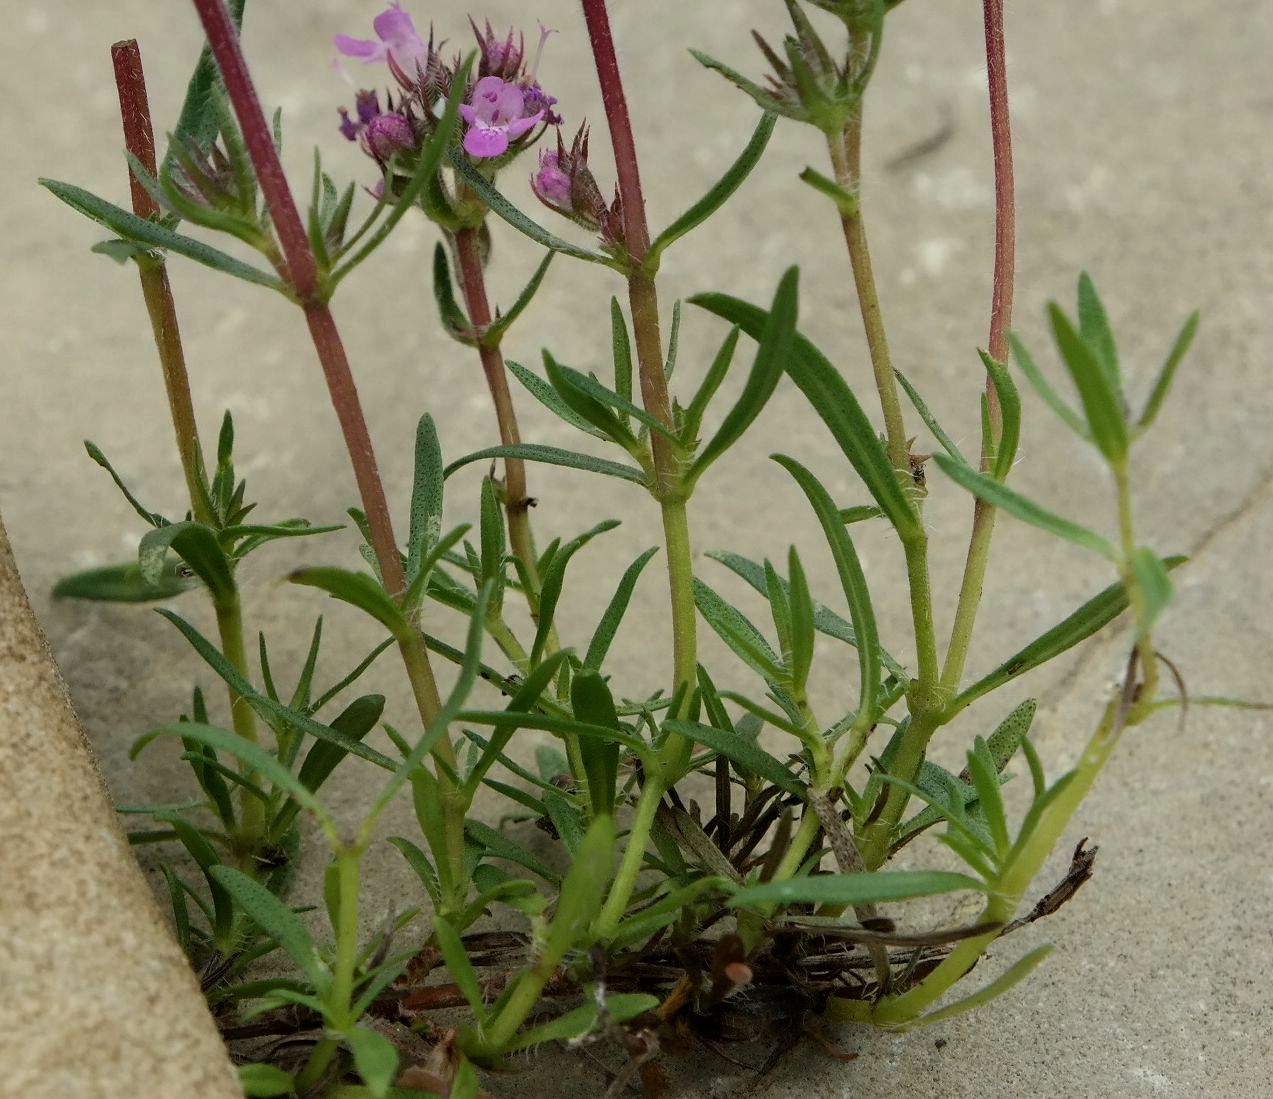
(223, 40)
(1005, 206)
(625, 157)
(302, 272)
(134, 113)
(139, 139)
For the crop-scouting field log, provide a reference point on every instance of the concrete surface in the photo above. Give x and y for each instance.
(97, 996)
(1142, 133)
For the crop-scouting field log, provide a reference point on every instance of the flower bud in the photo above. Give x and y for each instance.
(387, 134)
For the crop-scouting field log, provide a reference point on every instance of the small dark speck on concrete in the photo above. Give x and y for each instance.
(940, 1043)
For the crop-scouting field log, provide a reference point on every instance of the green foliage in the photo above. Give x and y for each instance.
(667, 846)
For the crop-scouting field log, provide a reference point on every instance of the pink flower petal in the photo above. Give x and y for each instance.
(518, 127)
(360, 47)
(485, 141)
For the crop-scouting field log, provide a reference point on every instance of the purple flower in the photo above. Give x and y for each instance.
(387, 133)
(496, 116)
(399, 41)
(551, 184)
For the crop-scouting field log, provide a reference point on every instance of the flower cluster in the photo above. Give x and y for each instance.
(501, 109)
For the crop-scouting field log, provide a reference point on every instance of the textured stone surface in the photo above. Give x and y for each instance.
(97, 999)
(1141, 136)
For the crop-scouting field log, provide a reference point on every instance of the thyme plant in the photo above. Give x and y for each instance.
(650, 910)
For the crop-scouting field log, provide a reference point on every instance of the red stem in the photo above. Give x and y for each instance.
(1005, 207)
(302, 271)
(223, 40)
(134, 112)
(616, 105)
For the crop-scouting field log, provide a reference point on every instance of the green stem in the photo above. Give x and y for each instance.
(983, 516)
(1023, 863)
(339, 1000)
(633, 857)
(846, 155)
(676, 533)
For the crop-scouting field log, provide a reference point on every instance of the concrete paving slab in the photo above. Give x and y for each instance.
(1142, 139)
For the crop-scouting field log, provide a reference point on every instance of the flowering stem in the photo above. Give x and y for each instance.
(302, 273)
(924, 696)
(139, 139)
(643, 301)
(517, 500)
(983, 515)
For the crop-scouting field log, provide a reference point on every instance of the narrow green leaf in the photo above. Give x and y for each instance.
(1095, 330)
(419, 862)
(356, 720)
(863, 888)
(375, 1058)
(459, 967)
(599, 646)
(499, 846)
(744, 753)
(620, 1007)
(719, 193)
(1009, 735)
(124, 584)
(554, 578)
(253, 755)
(1168, 372)
(621, 348)
(573, 387)
(711, 383)
(426, 497)
(150, 233)
(996, 988)
(825, 620)
(546, 395)
(276, 920)
(1154, 584)
(582, 892)
(736, 630)
(150, 518)
(503, 322)
(838, 408)
(197, 546)
(198, 121)
(1101, 400)
(673, 341)
(773, 355)
(502, 208)
(452, 316)
(985, 780)
(272, 711)
(357, 589)
(1042, 387)
(930, 421)
(591, 701)
(1096, 613)
(491, 537)
(261, 1081)
(852, 580)
(1024, 509)
(554, 456)
(802, 628)
(1010, 414)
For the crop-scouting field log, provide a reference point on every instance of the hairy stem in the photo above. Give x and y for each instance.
(983, 514)
(517, 499)
(302, 273)
(139, 139)
(644, 304)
